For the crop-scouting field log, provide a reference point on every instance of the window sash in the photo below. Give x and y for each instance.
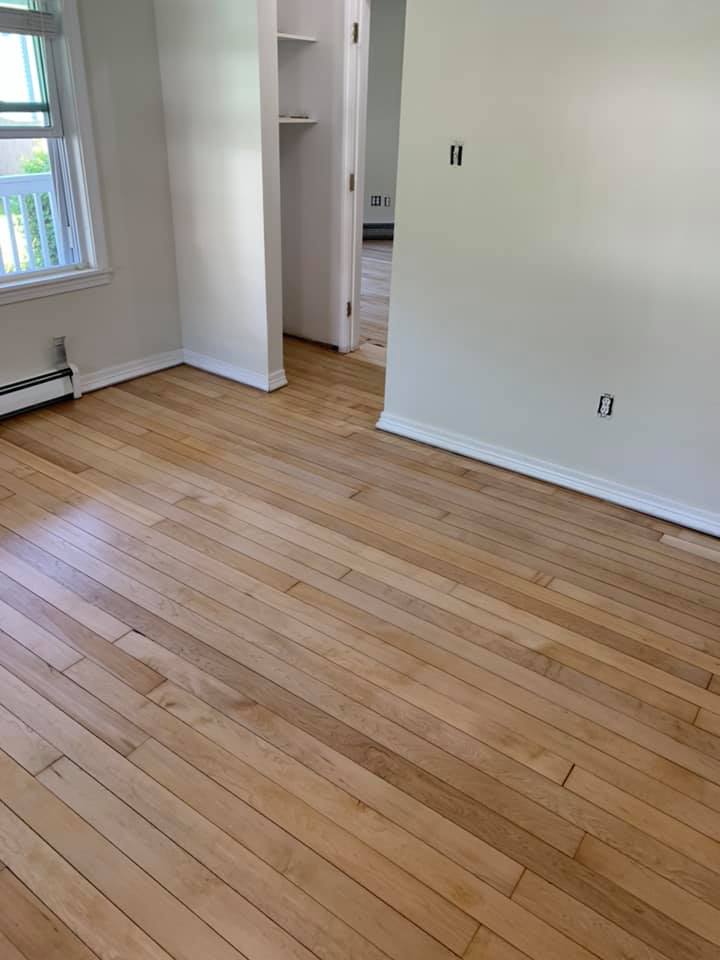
(51, 108)
(35, 23)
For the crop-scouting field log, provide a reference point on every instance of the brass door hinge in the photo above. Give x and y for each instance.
(356, 33)
(352, 183)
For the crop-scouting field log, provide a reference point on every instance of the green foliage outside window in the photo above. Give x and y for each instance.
(37, 162)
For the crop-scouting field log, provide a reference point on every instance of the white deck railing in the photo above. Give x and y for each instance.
(29, 236)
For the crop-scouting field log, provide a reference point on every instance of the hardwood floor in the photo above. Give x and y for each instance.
(275, 685)
(375, 299)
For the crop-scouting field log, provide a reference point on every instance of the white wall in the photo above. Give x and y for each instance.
(211, 72)
(272, 211)
(136, 316)
(387, 40)
(576, 252)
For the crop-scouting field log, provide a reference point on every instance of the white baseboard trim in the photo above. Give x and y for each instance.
(230, 371)
(128, 371)
(671, 510)
(277, 380)
(162, 361)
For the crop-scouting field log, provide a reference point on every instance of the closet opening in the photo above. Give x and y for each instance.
(339, 90)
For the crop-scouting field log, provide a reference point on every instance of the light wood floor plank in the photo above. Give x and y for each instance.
(321, 880)
(502, 517)
(143, 900)
(192, 604)
(59, 690)
(8, 950)
(605, 899)
(487, 946)
(602, 938)
(24, 745)
(75, 635)
(40, 934)
(500, 668)
(201, 891)
(708, 549)
(274, 684)
(462, 847)
(690, 911)
(699, 847)
(89, 914)
(175, 820)
(415, 856)
(385, 612)
(78, 482)
(36, 639)
(439, 918)
(92, 618)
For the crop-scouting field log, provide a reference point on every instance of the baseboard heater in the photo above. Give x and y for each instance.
(39, 391)
(379, 231)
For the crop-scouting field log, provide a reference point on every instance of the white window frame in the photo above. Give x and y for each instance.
(67, 60)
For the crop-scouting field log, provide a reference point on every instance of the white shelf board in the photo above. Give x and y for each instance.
(297, 120)
(297, 36)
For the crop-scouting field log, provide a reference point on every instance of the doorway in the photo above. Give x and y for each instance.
(339, 70)
(382, 131)
(377, 77)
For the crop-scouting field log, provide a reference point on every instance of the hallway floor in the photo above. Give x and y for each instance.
(277, 686)
(375, 299)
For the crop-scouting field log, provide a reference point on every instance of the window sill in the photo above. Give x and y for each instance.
(34, 288)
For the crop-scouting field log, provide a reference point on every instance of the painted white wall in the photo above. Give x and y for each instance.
(272, 211)
(211, 77)
(576, 251)
(136, 315)
(312, 167)
(387, 40)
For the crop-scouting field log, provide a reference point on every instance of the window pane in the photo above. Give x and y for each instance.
(23, 89)
(31, 209)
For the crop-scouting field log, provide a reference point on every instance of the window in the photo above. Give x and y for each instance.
(50, 223)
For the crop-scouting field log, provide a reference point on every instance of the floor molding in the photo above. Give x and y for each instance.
(251, 378)
(128, 371)
(162, 361)
(277, 380)
(671, 510)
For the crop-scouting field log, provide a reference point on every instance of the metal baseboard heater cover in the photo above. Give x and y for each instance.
(379, 231)
(39, 391)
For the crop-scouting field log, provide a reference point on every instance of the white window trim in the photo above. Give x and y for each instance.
(94, 271)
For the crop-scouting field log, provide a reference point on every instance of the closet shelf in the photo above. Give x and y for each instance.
(296, 36)
(297, 120)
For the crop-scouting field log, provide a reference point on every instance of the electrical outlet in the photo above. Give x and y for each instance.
(605, 407)
(375, 200)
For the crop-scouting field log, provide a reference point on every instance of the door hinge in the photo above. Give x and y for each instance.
(356, 33)
(349, 308)
(352, 183)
